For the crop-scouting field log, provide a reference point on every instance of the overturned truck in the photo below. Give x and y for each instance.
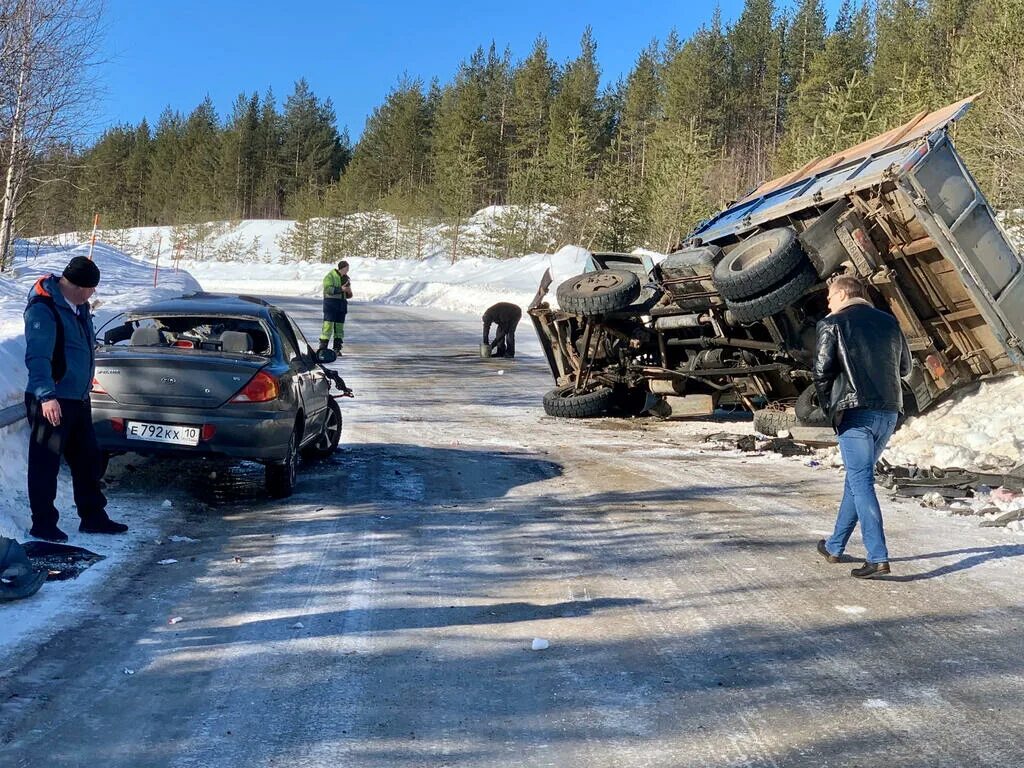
(729, 320)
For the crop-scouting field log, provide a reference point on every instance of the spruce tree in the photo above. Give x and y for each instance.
(574, 123)
(900, 77)
(754, 93)
(528, 119)
(391, 159)
(312, 151)
(992, 136)
(682, 159)
(166, 182)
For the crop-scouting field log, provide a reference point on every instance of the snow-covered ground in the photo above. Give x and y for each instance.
(981, 430)
(124, 282)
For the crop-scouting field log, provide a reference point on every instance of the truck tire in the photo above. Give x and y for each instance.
(597, 293)
(771, 422)
(758, 265)
(808, 411)
(776, 300)
(563, 403)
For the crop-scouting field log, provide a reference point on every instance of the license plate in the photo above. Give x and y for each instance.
(163, 433)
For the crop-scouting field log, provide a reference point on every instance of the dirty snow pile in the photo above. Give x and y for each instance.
(983, 430)
(125, 282)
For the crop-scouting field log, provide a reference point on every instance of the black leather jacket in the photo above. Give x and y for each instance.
(860, 358)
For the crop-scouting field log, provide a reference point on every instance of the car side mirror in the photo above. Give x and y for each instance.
(325, 356)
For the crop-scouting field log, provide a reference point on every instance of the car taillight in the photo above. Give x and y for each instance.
(261, 388)
(97, 388)
(208, 431)
(117, 425)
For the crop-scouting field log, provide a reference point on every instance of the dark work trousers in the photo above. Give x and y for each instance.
(75, 439)
(505, 340)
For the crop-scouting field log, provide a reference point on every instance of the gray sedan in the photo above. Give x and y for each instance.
(208, 374)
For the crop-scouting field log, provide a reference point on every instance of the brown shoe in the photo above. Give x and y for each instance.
(829, 557)
(871, 571)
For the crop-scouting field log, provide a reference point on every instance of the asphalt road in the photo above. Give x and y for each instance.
(384, 615)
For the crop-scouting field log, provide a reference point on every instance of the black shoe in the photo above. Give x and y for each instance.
(323, 345)
(826, 554)
(105, 525)
(871, 571)
(48, 533)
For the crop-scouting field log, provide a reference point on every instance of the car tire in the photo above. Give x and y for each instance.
(808, 411)
(280, 476)
(759, 264)
(771, 422)
(597, 293)
(326, 442)
(563, 403)
(760, 307)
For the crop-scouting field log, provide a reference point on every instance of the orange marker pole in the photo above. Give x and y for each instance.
(92, 240)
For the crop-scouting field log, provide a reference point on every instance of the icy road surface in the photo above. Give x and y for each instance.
(384, 616)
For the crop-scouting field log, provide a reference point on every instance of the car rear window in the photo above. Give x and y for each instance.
(235, 335)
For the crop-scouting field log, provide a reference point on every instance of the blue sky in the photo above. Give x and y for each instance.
(163, 53)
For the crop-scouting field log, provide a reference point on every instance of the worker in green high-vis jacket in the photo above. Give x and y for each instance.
(337, 292)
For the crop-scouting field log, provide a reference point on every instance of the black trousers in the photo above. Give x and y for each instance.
(75, 439)
(505, 340)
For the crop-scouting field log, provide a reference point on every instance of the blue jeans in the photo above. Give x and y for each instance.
(862, 438)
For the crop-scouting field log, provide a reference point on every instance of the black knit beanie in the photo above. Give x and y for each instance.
(82, 272)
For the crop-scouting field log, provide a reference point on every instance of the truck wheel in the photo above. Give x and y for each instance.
(760, 307)
(758, 265)
(597, 293)
(771, 422)
(808, 411)
(564, 403)
(280, 476)
(327, 442)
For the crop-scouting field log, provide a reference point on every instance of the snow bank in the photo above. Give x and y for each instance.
(125, 282)
(468, 285)
(983, 430)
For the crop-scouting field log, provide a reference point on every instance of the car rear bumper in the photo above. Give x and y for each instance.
(257, 435)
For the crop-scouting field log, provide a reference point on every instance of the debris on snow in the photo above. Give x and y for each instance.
(298, 625)
(129, 671)
(167, 504)
(539, 644)
(168, 561)
(184, 540)
(175, 620)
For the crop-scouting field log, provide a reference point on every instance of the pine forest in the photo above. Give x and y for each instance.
(695, 124)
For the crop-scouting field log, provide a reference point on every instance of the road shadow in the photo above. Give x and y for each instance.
(970, 558)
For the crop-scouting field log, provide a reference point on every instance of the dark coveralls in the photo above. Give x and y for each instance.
(74, 437)
(506, 316)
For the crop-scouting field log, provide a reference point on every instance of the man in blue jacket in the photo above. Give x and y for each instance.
(59, 352)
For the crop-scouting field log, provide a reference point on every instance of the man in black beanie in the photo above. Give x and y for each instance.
(60, 346)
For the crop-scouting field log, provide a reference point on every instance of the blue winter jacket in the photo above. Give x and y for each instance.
(40, 336)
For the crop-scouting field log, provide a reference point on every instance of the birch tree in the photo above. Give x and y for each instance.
(47, 51)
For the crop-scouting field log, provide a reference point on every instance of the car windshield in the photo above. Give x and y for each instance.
(234, 335)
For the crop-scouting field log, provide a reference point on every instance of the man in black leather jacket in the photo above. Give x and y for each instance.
(860, 359)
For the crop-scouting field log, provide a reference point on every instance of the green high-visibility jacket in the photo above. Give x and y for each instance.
(335, 284)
